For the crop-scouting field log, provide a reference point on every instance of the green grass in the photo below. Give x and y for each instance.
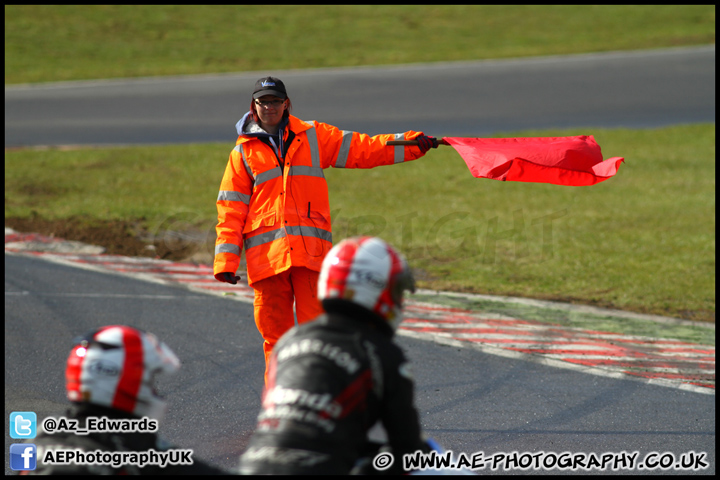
(643, 240)
(72, 42)
(115, 183)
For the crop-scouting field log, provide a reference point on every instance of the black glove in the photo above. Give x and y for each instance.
(227, 277)
(426, 143)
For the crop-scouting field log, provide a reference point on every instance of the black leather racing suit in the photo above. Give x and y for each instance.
(111, 445)
(329, 381)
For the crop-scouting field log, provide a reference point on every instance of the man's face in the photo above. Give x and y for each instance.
(270, 109)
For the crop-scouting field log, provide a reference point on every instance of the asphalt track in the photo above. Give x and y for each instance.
(461, 99)
(469, 400)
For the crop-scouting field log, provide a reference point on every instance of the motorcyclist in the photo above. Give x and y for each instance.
(111, 374)
(332, 379)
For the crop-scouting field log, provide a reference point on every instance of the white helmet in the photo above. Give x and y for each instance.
(367, 272)
(116, 366)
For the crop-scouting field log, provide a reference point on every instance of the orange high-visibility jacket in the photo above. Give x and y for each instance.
(281, 216)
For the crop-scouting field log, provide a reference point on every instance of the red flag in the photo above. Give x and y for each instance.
(573, 161)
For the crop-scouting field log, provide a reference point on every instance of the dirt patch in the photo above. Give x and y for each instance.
(119, 237)
(175, 243)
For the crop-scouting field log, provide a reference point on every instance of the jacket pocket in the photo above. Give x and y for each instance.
(266, 219)
(319, 219)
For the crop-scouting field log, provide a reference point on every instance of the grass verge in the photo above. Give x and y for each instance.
(642, 241)
(76, 42)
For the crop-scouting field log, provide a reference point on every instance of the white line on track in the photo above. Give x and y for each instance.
(563, 347)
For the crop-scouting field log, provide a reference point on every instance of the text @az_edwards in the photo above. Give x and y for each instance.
(53, 425)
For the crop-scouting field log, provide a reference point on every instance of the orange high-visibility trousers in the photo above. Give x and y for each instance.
(274, 299)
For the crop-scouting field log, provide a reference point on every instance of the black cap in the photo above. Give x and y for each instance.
(269, 86)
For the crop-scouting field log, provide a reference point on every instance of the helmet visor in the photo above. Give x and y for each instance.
(403, 281)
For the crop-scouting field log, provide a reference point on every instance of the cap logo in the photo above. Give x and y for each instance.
(267, 83)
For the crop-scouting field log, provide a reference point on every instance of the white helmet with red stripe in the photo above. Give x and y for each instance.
(116, 366)
(368, 272)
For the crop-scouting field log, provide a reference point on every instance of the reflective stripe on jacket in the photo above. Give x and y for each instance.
(281, 216)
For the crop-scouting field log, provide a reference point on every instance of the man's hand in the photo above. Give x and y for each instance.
(227, 277)
(426, 143)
